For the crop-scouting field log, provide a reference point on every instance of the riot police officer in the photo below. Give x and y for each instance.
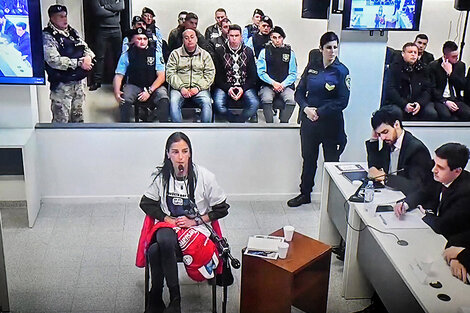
(322, 94)
(68, 61)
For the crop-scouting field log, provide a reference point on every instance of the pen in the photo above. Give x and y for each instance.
(383, 220)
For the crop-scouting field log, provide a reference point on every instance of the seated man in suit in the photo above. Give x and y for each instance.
(445, 203)
(404, 162)
(447, 81)
(457, 255)
(408, 86)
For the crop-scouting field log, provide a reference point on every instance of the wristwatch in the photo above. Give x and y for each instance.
(149, 90)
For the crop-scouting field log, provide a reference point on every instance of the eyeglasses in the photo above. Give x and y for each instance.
(181, 18)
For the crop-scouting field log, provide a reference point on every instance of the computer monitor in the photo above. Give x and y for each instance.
(403, 15)
(21, 49)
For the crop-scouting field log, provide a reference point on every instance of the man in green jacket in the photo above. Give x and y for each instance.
(190, 73)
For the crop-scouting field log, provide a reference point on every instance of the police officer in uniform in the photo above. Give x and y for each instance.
(277, 69)
(251, 29)
(322, 94)
(260, 38)
(144, 69)
(68, 61)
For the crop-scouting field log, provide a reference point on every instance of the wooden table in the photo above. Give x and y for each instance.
(300, 280)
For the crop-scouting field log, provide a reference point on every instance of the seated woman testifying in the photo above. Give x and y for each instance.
(179, 187)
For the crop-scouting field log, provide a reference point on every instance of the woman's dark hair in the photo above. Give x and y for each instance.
(327, 37)
(167, 169)
(456, 154)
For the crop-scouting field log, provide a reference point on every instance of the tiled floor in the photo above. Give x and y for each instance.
(80, 257)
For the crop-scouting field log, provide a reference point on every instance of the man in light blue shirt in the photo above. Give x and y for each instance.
(145, 75)
(277, 69)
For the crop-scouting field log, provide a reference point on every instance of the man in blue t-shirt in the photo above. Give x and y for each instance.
(145, 75)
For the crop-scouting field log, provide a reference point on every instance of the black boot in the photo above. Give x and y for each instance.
(175, 301)
(298, 201)
(155, 302)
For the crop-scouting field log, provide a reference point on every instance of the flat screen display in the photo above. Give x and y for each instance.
(21, 50)
(382, 14)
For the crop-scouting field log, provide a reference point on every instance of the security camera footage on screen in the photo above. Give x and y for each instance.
(15, 41)
(386, 14)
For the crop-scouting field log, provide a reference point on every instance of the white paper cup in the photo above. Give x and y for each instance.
(288, 232)
(426, 264)
(283, 247)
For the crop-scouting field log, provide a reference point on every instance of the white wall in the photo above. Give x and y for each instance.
(118, 162)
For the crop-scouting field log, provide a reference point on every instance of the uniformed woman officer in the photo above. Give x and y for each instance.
(322, 94)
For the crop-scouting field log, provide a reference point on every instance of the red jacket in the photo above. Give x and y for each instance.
(199, 252)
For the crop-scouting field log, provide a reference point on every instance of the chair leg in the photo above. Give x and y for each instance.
(214, 295)
(147, 291)
(136, 114)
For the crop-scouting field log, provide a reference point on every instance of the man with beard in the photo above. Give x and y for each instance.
(404, 162)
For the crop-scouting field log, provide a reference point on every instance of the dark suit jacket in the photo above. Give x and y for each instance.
(407, 84)
(462, 240)
(414, 159)
(454, 207)
(439, 79)
(427, 58)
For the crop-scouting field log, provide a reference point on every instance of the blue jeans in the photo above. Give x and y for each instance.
(251, 104)
(202, 99)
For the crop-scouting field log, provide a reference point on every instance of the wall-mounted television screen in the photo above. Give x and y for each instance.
(21, 51)
(382, 14)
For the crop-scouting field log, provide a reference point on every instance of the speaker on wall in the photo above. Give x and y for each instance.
(462, 5)
(315, 9)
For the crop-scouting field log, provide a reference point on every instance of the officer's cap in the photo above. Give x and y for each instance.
(258, 11)
(279, 30)
(268, 20)
(148, 10)
(136, 19)
(56, 8)
(137, 31)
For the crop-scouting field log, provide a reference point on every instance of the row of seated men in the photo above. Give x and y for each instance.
(424, 88)
(221, 71)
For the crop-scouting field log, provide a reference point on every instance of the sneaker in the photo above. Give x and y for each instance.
(298, 201)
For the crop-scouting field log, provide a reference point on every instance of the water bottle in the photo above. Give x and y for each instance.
(369, 198)
(369, 192)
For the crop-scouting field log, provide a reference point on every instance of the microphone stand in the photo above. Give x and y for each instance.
(224, 252)
(355, 197)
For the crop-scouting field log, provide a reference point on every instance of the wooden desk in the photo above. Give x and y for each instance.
(300, 280)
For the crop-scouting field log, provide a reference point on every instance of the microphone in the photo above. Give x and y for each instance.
(180, 168)
(355, 197)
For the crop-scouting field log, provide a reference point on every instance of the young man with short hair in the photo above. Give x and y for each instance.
(403, 162)
(215, 30)
(260, 38)
(175, 40)
(252, 28)
(446, 203)
(448, 81)
(421, 41)
(408, 86)
(277, 69)
(235, 77)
